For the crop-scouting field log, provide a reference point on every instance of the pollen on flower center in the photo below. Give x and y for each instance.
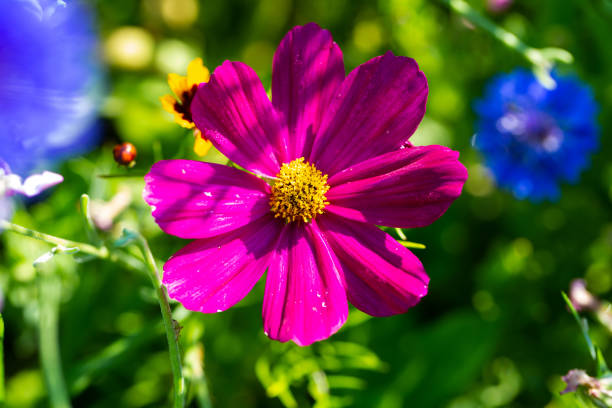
(299, 192)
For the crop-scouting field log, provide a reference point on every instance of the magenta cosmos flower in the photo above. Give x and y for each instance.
(325, 163)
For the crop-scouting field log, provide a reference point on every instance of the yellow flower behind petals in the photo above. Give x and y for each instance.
(184, 89)
(168, 102)
(201, 145)
(197, 72)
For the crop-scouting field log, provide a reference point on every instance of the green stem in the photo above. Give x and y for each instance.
(541, 59)
(194, 361)
(99, 252)
(2, 393)
(92, 233)
(203, 393)
(582, 323)
(49, 291)
(466, 11)
(170, 324)
(130, 175)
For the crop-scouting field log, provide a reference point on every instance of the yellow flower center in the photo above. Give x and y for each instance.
(299, 192)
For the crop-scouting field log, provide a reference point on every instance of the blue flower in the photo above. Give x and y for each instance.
(50, 82)
(533, 138)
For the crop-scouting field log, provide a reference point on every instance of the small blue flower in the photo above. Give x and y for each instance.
(50, 82)
(533, 138)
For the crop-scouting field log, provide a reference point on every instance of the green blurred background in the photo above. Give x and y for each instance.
(493, 330)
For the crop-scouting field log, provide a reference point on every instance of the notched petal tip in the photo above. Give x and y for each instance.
(379, 105)
(307, 70)
(408, 188)
(304, 299)
(382, 278)
(309, 31)
(236, 115)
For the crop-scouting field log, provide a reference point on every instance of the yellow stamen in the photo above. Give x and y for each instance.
(299, 192)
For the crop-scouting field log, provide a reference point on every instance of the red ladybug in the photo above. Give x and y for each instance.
(125, 154)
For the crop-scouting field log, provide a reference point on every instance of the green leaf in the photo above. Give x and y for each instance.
(602, 367)
(584, 326)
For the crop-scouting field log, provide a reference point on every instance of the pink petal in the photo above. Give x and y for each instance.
(235, 114)
(192, 199)
(304, 300)
(307, 71)
(382, 277)
(407, 188)
(377, 108)
(213, 274)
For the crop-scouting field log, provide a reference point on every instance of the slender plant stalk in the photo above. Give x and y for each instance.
(170, 325)
(49, 291)
(92, 233)
(2, 393)
(111, 176)
(194, 362)
(99, 252)
(203, 393)
(541, 59)
(465, 10)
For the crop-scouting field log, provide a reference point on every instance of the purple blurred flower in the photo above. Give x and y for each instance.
(317, 236)
(499, 6)
(11, 184)
(597, 390)
(582, 299)
(50, 82)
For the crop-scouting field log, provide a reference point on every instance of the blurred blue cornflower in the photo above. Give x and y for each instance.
(533, 138)
(50, 82)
